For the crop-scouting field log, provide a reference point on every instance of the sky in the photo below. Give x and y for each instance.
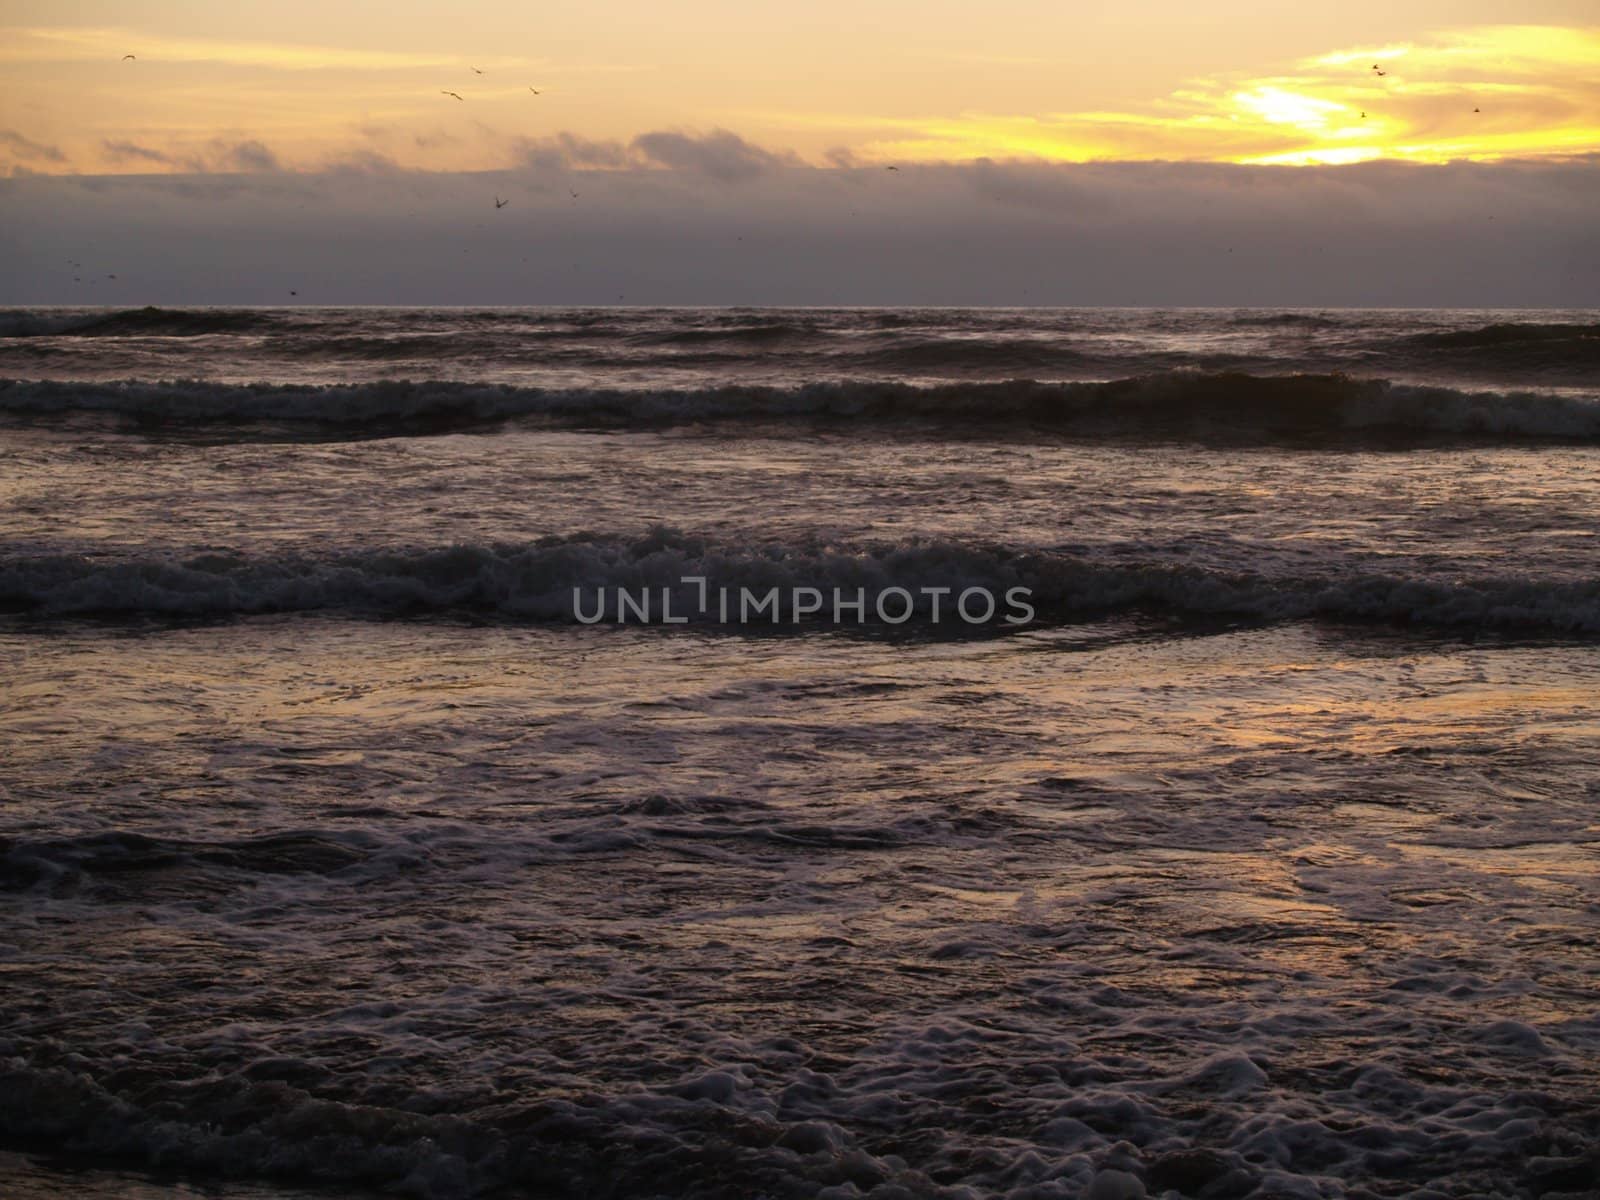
(1142, 151)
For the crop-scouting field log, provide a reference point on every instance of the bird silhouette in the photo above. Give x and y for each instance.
(475, 71)
(442, 93)
(535, 90)
(891, 168)
(126, 57)
(499, 203)
(1363, 116)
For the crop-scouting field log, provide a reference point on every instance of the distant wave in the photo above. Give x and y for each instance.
(1281, 320)
(535, 582)
(1510, 333)
(138, 322)
(897, 344)
(731, 331)
(1523, 347)
(1228, 404)
(31, 324)
(989, 353)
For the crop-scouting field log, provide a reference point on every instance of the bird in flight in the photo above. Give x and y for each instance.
(1363, 116)
(126, 57)
(442, 93)
(891, 168)
(1477, 110)
(475, 71)
(292, 292)
(499, 203)
(535, 90)
(574, 194)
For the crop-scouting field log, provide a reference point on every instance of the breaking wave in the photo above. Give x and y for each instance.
(1227, 404)
(536, 582)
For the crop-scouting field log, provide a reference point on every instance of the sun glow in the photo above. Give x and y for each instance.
(1279, 107)
(1478, 94)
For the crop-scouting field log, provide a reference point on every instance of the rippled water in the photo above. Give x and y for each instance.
(336, 855)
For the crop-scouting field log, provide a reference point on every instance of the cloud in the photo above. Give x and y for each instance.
(1508, 234)
(719, 155)
(29, 150)
(1023, 185)
(569, 150)
(126, 152)
(362, 162)
(248, 156)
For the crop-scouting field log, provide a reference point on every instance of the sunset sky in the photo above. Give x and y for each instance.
(726, 92)
(304, 84)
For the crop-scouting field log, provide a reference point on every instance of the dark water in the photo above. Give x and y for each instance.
(336, 852)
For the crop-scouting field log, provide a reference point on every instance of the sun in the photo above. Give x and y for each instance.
(1280, 107)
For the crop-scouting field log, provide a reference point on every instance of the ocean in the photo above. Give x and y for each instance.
(1029, 753)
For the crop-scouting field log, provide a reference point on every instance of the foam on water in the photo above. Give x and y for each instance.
(548, 940)
(335, 854)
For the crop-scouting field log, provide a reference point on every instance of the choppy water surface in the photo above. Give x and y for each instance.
(336, 858)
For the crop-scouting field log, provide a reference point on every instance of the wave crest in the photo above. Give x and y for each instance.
(1178, 402)
(536, 582)
(1508, 333)
(149, 321)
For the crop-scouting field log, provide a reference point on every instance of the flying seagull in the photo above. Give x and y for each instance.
(574, 194)
(891, 168)
(475, 71)
(126, 57)
(449, 94)
(1381, 74)
(535, 90)
(499, 203)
